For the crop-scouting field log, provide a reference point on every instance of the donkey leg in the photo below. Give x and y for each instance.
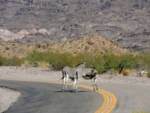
(95, 87)
(75, 85)
(63, 85)
(66, 80)
(66, 84)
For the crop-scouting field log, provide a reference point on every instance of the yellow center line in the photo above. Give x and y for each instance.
(109, 100)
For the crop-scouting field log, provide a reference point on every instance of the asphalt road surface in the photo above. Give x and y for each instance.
(48, 98)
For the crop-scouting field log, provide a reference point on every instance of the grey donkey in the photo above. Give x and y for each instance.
(73, 74)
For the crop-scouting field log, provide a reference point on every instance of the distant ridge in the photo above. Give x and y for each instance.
(126, 22)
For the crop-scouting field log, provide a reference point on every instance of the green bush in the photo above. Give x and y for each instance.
(56, 60)
(110, 61)
(2, 59)
(148, 74)
(144, 60)
(126, 62)
(96, 62)
(102, 63)
(14, 61)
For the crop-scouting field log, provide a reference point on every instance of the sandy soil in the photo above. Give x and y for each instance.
(7, 98)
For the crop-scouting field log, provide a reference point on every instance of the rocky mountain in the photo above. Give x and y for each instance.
(93, 44)
(124, 21)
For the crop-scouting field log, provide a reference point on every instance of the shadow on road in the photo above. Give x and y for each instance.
(71, 91)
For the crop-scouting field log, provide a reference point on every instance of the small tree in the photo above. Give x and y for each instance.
(126, 62)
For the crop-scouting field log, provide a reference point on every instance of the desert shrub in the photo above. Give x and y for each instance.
(35, 64)
(111, 61)
(56, 60)
(96, 62)
(144, 60)
(148, 74)
(101, 63)
(36, 56)
(127, 61)
(125, 72)
(13, 61)
(2, 59)
(59, 60)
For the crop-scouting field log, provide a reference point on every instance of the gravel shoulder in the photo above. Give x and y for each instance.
(133, 93)
(7, 98)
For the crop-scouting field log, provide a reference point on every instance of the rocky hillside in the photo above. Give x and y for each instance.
(124, 21)
(88, 44)
(93, 44)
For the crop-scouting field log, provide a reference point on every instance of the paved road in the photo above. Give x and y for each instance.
(132, 97)
(48, 98)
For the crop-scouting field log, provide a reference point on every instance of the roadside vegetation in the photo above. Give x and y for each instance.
(140, 112)
(14, 61)
(102, 63)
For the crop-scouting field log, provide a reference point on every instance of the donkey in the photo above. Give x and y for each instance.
(69, 74)
(80, 71)
(88, 74)
(91, 75)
